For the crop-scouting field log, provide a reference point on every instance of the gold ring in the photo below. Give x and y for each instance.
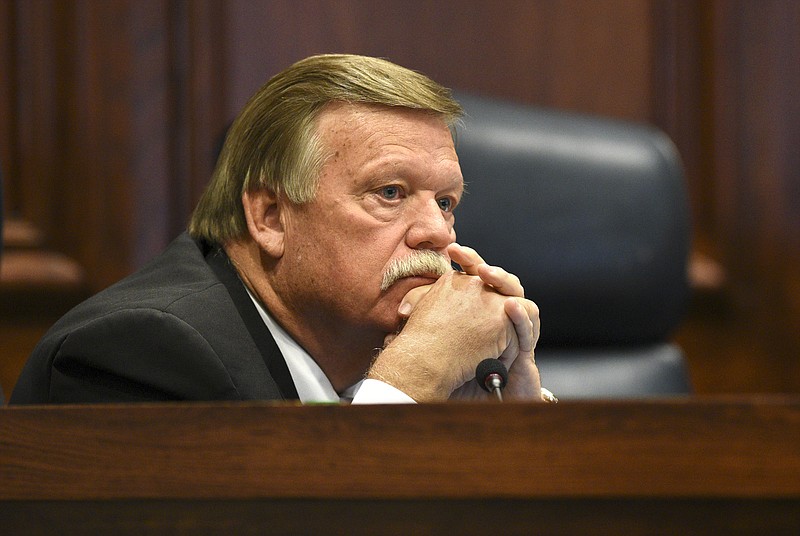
(549, 397)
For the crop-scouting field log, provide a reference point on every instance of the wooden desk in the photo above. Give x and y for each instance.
(721, 466)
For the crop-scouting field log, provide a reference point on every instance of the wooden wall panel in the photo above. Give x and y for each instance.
(108, 107)
(199, 88)
(111, 107)
(681, 98)
(756, 185)
(7, 71)
(587, 56)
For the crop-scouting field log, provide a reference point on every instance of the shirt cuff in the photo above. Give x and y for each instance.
(378, 392)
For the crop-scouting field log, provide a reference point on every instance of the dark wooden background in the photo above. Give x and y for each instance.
(110, 112)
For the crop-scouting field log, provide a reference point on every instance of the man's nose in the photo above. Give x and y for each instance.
(430, 228)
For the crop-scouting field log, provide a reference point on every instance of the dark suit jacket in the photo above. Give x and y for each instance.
(182, 328)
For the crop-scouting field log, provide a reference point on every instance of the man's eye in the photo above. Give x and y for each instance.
(390, 192)
(446, 204)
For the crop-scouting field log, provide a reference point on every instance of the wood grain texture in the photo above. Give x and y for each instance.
(683, 467)
(245, 451)
(578, 517)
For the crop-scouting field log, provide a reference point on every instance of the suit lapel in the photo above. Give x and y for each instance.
(224, 270)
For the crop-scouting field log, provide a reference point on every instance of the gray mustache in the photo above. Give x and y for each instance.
(424, 262)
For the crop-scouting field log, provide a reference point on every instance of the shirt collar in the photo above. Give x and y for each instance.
(309, 379)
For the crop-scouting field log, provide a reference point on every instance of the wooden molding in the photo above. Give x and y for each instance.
(27, 266)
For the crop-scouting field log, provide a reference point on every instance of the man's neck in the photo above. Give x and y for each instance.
(344, 354)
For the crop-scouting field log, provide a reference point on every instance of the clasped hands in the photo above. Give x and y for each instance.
(455, 323)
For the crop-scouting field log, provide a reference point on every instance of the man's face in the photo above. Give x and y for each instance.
(388, 188)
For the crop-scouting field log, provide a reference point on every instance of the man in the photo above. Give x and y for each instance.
(327, 227)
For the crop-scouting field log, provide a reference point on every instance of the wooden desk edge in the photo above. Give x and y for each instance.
(711, 448)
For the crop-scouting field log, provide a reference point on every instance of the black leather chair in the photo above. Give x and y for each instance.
(592, 215)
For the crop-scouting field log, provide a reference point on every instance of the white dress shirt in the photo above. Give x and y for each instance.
(312, 384)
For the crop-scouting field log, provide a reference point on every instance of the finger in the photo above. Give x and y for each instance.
(524, 316)
(466, 257)
(524, 325)
(524, 382)
(473, 264)
(532, 311)
(502, 281)
(411, 299)
(520, 333)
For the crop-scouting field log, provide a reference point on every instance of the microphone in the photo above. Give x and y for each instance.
(492, 375)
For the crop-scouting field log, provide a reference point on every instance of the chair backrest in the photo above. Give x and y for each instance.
(592, 215)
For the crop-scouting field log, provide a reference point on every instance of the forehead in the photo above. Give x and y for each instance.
(343, 117)
(359, 135)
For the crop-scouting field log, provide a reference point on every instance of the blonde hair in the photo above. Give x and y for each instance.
(273, 142)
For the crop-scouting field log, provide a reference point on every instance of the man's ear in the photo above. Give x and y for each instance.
(264, 222)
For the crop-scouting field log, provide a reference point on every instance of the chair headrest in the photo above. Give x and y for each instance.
(590, 213)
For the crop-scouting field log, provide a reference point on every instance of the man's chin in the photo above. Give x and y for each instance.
(391, 325)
